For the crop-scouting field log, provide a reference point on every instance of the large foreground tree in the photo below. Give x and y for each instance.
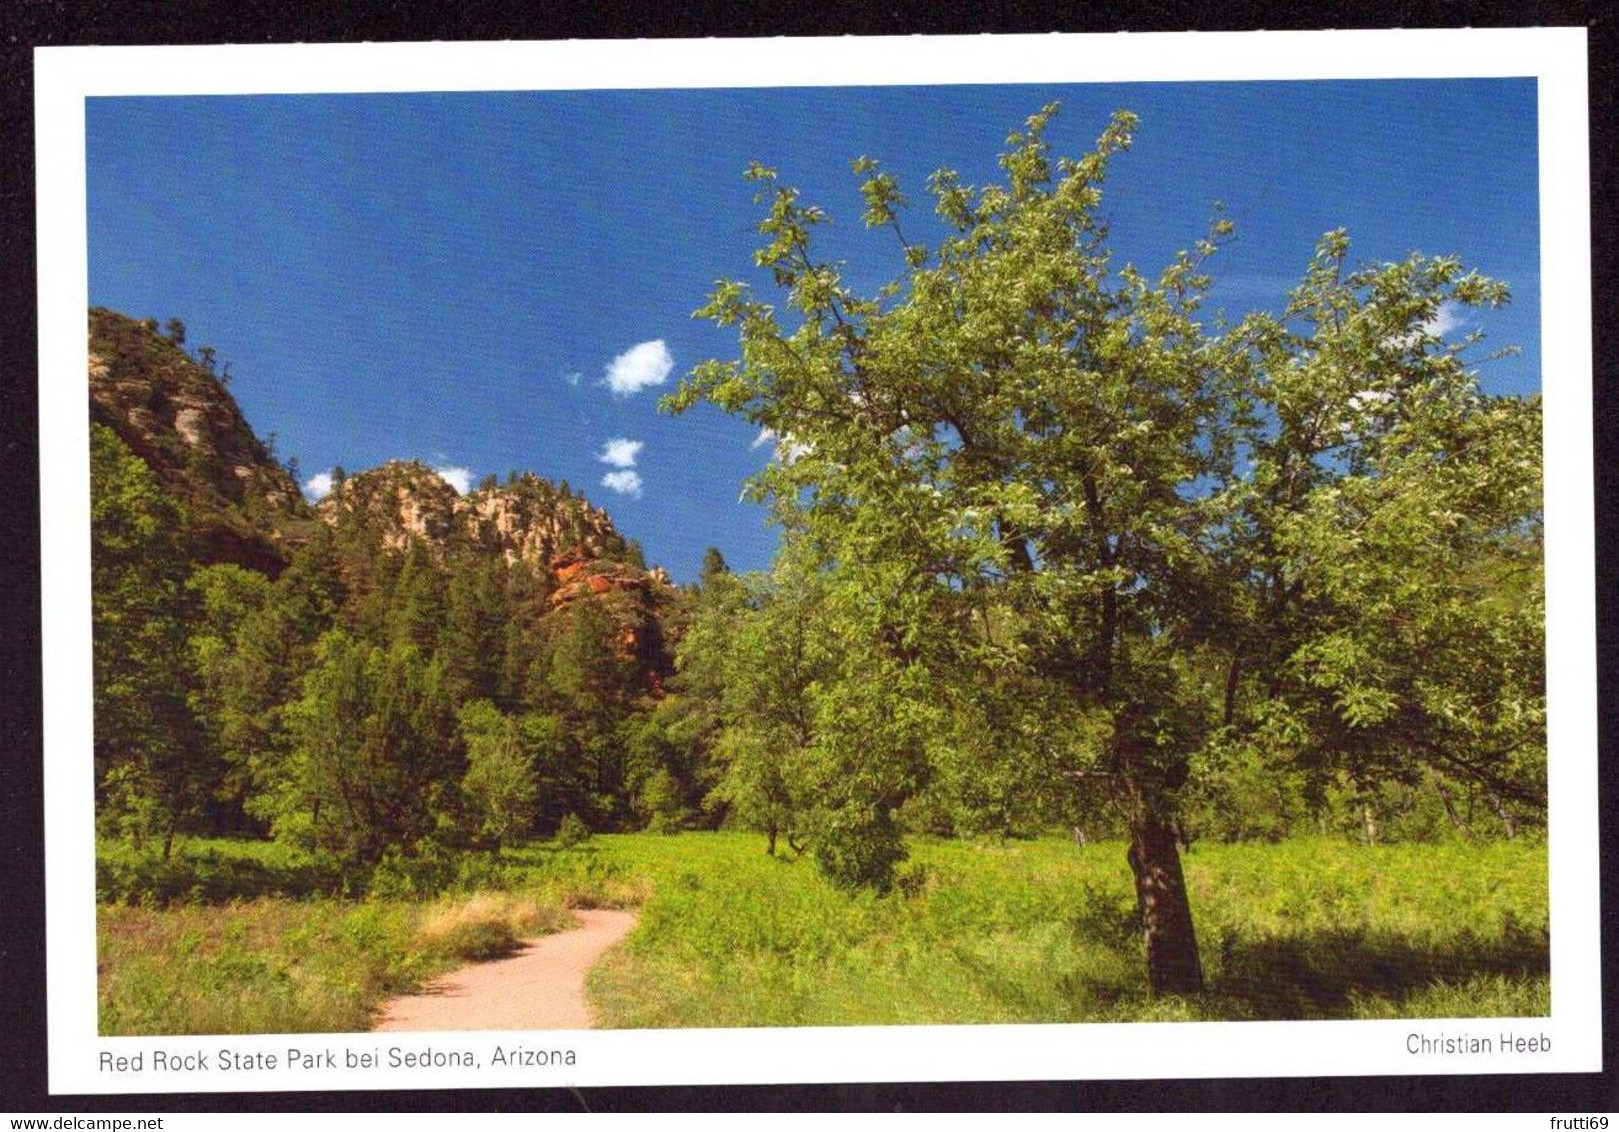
(1047, 496)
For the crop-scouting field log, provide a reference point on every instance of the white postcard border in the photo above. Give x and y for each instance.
(65, 77)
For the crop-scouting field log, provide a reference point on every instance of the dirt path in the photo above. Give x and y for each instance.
(541, 987)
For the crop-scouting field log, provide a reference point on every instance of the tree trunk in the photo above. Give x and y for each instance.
(770, 849)
(1450, 807)
(1173, 966)
(1505, 815)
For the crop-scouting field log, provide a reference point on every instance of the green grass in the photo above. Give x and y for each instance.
(208, 870)
(1039, 931)
(241, 937)
(274, 965)
(1045, 932)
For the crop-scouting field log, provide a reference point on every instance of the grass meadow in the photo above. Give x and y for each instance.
(235, 937)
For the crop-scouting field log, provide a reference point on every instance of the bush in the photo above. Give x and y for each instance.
(665, 823)
(428, 871)
(860, 851)
(209, 872)
(571, 832)
(660, 799)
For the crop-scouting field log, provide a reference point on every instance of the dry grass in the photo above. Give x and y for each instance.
(274, 965)
(486, 924)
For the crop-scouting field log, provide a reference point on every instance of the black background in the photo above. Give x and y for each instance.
(37, 23)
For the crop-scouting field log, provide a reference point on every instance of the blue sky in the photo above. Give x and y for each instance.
(481, 281)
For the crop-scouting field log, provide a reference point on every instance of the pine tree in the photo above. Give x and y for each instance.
(151, 767)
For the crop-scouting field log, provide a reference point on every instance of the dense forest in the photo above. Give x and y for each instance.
(1059, 553)
(394, 666)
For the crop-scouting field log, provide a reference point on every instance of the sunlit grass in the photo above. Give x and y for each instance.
(274, 965)
(1035, 931)
(1045, 932)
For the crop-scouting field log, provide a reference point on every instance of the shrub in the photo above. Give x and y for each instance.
(571, 832)
(860, 850)
(431, 869)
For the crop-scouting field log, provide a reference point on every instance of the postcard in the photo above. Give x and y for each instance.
(902, 559)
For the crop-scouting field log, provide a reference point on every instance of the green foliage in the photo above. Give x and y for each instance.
(152, 771)
(754, 651)
(375, 744)
(1111, 548)
(712, 567)
(857, 850)
(209, 871)
(660, 798)
(418, 606)
(239, 656)
(500, 782)
(573, 831)
(1394, 510)
(473, 637)
(590, 675)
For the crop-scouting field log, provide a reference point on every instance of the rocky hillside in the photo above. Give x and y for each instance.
(526, 519)
(241, 505)
(175, 413)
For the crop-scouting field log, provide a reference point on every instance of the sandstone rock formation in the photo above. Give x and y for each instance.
(175, 413)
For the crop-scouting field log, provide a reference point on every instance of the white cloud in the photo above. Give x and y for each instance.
(458, 478)
(1447, 318)
(318, 486)
(620, 453)
(625, 482)
(638, 367)
(788, 450)
(573, 378)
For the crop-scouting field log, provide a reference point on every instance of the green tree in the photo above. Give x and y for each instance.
(478, 610)
(754, 652)
(375, 743)
(152, 772)
(592, 682)
(660, 799)
(1026, 468)
(418, 605)
(500, 782)
(1389, 521)
(525, 649)
(713, 566)
(235, 692)
(562, 786)
(251, 643)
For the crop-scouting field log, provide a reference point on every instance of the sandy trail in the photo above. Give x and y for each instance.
(541, 987)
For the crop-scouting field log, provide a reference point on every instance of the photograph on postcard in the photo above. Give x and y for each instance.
(1112, 626)
(818, 556)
